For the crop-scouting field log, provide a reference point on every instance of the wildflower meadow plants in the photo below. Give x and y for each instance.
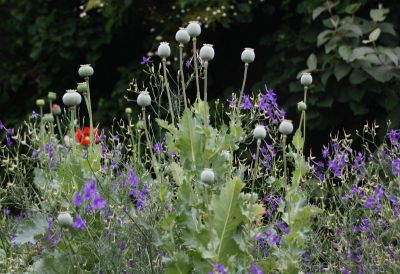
(183, 186)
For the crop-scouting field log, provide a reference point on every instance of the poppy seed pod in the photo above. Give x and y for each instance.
(140, 125)
(207, 52)
(82, 87)
(72, 98)
(65, 219)
(207, 176)
(226, 155)
(286, 127)
(56, 109)
(182, 36)
(248, 55)
(85, 71)
(193, 29)
(164, 50)
(259, 132)
(40, 102)
(128, 110)
(301, 106)
(52, 95)
(48, 118)
(144, 99)
(306, 79)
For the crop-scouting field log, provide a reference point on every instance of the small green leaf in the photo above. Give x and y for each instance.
(374, 35)
(378, 15)
(316, 12)
(357, 77)
(312, 61)
(298, 141)
(341, 70)
(353, 8)
(323, 37)
(345, 52)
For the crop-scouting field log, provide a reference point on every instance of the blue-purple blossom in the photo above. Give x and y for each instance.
(394, 136)
(220, 269)
(325, 152)
(79, 223)
(282, 227)
(98, 203)
(34, 115)
(89, 190)
(247, 104)
(255, 269)
(145, 60)
(158, 147)
(188, 62)
(56, 240)
(379, 192)
(396, 166)
(232, 102)
(77, 199)
(9, 141)
(268, 103)
(370, 202)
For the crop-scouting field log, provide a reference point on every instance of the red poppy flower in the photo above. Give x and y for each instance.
(83, 137)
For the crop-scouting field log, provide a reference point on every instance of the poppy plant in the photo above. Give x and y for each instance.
(83, 137)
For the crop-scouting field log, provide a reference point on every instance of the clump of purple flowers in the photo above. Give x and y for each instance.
(268, 103)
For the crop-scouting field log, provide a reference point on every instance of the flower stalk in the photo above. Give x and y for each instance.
(166, 83)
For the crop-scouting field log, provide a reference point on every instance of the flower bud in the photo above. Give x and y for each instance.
(67, 141)
(182, 36)
(52, 96)
(65, 219)
(207, 52)
(140, 125)
(82, 87)
(301, 106)
(259, 132)
(72, 98)
(164, 50)
(306, 79)
(128, 110)
(226, 155)
(193, 29)
(248, 55)
(48, 118)
(85, 71)
(207, 176)
(56, 109)
(40, 102)
(286, 127)
(144, 99)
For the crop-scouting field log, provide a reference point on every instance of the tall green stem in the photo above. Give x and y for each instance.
(196, 70)
(59, 127)
(246, 67)
(171, 109)
(255, 168)
(182, 74)
(89, 108)
(284, 161)
(149, 143)
(205, 80)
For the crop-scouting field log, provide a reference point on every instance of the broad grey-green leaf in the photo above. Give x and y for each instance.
(378, 15)
(353, 8)
(312, 61)
(357, 77)
(374, 35)
(388, 28)
(298, 141)
(390, 54)
(323, 37)
(317, 11)
(360, 52)
(345, 52)
(28, 229)
(341, 70)
(382, 73)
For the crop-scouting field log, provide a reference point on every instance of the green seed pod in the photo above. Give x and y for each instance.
(144, 99)
(301, 106)
(286, 127)
(193, 29)
(207, 176)
(182, 36)
(56, 109)
(52, 95)
(65, 219)
(85, 71)
(128, 110)
(207, 52)
(164, 50)
(48, 118)
(40, 102)
(226, 155)
(259, 132)
(248, 55)
(82, 87)
(140, 125)
(72, 98)
(306, 79)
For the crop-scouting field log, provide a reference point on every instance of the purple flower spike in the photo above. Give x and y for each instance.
(255, 269)
(247, 104)
(98, 202)
(89, 190)
(78, 199)
(79, 223)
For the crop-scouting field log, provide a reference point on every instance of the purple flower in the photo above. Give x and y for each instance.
(56, 240)
(34, 114)
(158, 147)
(268, 103)
(78, 199)
(145, 60)
(89, 189)
(2, 125)
(379, 192)
(232, 102)
(102, 136)
(220, 269)
(396, 166)
(394, 136)
(9, 141)
(6, 211)
(98, 203)
(188, 62)
(79, 223)
(247, 104)
(283, 227)
(255, 269)
(369, 203)
(325, 152)
(272, 237)
(344, 270)
(393, 199)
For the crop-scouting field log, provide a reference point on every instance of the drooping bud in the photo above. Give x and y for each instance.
(301, 106)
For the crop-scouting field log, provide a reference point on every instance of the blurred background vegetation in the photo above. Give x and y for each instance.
(351, 47)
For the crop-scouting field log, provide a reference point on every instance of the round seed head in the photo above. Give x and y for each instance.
(72, 98)
(301, 106)
(286, 127)
(182, 36)
(259, 132)
(164, 50)
(306, 79)
(193, 29)
(65, 219)
(207, 52)
(82, 87)
(85, 71)
(52, 95)
(207, 176)
(40, 102)
(128, 110)
(144, 99)
(48, 118)
(56, 109)
(248, 55)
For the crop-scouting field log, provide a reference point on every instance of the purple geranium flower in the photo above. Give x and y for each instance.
(78, 199)
(98, 203)
(220, 269)
(79, 223)
(145, 60)
(247, 104)
(89, 189)
(255, 269)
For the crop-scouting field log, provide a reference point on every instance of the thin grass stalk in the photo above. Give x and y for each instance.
(171, 109)
(196, 70)
(182, 74)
